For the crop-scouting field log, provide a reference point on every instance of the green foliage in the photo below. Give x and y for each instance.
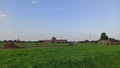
(85, 55)
(104, 36)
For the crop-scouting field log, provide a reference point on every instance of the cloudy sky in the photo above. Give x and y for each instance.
(64, 19)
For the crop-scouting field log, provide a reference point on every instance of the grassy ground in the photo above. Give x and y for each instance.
(85, 55)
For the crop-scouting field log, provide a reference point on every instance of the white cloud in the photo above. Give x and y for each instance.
(34, 2)
(22, 34)
(2, 14)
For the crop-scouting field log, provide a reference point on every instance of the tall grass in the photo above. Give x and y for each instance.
(79, 56)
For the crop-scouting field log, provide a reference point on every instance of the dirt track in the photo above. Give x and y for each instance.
(36, 47)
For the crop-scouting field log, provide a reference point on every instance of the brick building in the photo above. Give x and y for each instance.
(54, 40)
(108, 42)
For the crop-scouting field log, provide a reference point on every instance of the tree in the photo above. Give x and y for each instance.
(113, 39)
(103, 36)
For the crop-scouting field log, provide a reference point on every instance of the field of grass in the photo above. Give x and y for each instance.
(84, 55)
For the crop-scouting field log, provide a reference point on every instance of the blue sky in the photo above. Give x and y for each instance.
(64, 19)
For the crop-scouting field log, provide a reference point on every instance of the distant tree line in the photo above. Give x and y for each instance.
(102, 37)
(20, 41)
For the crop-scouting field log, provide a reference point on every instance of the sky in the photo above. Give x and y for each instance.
(65, 19)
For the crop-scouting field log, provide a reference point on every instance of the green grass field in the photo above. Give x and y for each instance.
(84, 55)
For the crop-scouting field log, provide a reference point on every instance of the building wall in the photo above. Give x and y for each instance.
(47, 41)
(54, 41)
(108, 42)
(61, 41)
(105, 42)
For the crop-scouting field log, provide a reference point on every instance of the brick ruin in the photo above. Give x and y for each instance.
(70, 44)
(10, 45)
(54, 40)
(105, 42)
(108, 42)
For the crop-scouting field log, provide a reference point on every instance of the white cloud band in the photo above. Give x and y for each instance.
(2, 14)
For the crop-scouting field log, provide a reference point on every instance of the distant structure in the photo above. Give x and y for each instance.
(54, 40)
(10, 45)
(70, 44)
(107, 41)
